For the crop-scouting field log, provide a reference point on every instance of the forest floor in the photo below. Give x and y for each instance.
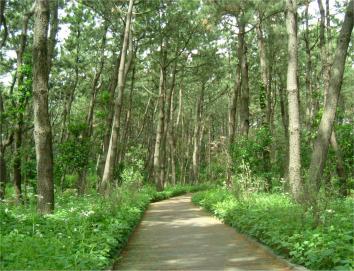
(176, 235)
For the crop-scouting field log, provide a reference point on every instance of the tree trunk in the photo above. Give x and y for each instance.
(343, 190)
(293, 103)
(70, 97)
(42, 128)
(3, 22)
(157, 168)
(17, 174)
(169, 128)
(2, 153)
(53, 31)
(320, 150)
(108, 173)
(264, 96)
(196, 136)
(109, 119)
(17, 162)
(244, 101)
(2, 173)
(312, 104)
(87, 133)
(128, 116)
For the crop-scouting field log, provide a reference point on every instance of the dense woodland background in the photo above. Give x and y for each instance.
(253, 96)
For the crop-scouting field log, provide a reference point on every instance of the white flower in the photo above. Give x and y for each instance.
(87, 213)
(330, 211)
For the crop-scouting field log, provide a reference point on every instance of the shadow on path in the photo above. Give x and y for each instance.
(176, 235)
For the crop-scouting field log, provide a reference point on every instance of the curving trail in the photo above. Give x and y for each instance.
(176, 235)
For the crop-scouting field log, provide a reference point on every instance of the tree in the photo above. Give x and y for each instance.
(320, 150)
(112, 149)
(293, 102)
(42, 126)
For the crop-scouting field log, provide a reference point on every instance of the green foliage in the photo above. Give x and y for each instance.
(248, 159)
(73, 154)
(286, 227)
(84, 232)
(345, 138)
(177, 190)
(133, 169)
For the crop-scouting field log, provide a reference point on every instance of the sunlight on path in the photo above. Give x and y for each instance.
(176, 235)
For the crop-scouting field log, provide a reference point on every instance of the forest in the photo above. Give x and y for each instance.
(112, 109)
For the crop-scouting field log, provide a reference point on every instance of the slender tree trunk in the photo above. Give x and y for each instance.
(53, 31)
(2, 173)
(169, 128)
(128, 117)
(157, 168)
(42, 129)
(17, 172)
(196, 136)
(233, 106)
(232, 123)
(109, 118)
(3, 25)
(108, 173)
(264, 96)
(244, 101)
(86, 136)
(71, 95)
(293, 102)
(17, 162)
(2, 152)
(312, 104)
(320, 150)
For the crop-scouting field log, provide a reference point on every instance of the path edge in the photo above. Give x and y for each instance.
(293, 266)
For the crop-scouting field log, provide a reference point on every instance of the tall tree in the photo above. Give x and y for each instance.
(42, 126)
(244, 97)
(108, 172)
(293, 102)
(320, 150)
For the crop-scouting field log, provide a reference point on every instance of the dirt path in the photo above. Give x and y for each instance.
(176, 235)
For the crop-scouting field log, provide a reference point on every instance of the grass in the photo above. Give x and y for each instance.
(287, 228)
(83, 233)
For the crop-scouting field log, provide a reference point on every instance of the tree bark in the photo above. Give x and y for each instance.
(128, 116)
(157, 168)
(42, 128)
(320, 150)
(3, 24)
(196, 136)
(109, 119)
(312, 104)
(108, 173)
(265, 95)
(244, 97)
(293, 102)
(2, 152)
(53, 5)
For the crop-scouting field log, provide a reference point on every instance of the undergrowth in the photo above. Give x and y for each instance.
(84, 232)
(287, 228)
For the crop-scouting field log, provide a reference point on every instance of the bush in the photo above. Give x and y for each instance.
(83, 233)
(286, 227)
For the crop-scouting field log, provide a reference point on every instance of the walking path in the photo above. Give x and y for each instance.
(176, 235)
